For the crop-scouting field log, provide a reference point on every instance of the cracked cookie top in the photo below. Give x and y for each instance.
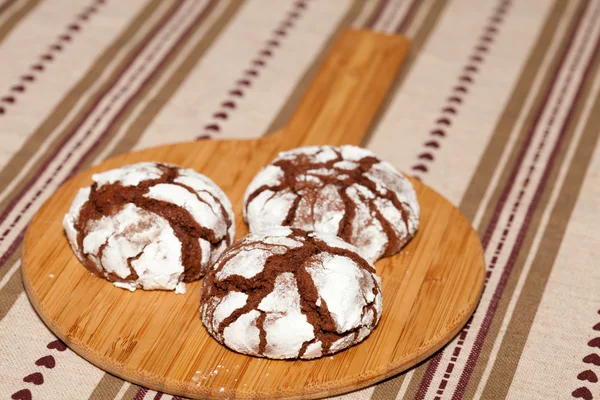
(346, 191)
(285, 293)
(150, 226)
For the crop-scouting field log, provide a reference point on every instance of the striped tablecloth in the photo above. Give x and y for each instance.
(498, 108)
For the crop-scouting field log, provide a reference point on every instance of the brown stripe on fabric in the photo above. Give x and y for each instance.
(416, 44)
(388, 389)
(17, 17)
(548, 168)
(154, 105)
(295, 96)
(107, 388)
(6, 5)
(491, 156)
(366, 13)
(376, 15)
(531, 226)
(383, 391)
(60, 112)
(522, 135)
(132, 392)
(488, 163)
(11, 290)
(419, 375)
(512, 337)
(147, 86)
(409, 17)
(10, 261)
(530, 297)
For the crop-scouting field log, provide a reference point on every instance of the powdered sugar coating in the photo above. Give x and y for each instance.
(149, 226)
(129, 175)
(246, 263)
(342, 286)
(203, 213)
(73, 216)
(155, 250)
(283, 310)
(209, 192)
(290, 294)
(345, 191)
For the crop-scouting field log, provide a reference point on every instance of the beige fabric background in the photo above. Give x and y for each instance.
(498, 108)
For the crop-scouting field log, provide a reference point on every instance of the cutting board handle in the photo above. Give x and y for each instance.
(344, 98)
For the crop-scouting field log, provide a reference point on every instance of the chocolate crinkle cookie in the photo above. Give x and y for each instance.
(286, 293)
(346, 191)
(149, 226)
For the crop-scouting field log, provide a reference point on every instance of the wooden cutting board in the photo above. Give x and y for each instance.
(156, 339)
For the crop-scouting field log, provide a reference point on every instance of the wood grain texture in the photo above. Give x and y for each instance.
(156, 339)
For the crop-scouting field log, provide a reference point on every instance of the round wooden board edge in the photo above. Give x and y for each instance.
(319, 393)
(149, 381)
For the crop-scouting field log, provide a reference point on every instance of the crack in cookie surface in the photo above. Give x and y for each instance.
(346, 191)
(270, 295)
